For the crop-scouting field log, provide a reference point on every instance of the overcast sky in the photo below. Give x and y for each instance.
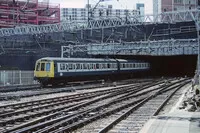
(124, 4)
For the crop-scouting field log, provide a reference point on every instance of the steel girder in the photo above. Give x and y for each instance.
(167, 17)
(153, 48)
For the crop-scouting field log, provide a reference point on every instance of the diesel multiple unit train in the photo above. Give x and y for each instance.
(54, 70)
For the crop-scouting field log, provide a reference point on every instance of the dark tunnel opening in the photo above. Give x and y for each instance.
(170, 66)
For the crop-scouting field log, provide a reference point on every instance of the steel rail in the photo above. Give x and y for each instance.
(49, 117)
(76, 107)
(76, 125)
(126, 114)
(62, 102)
(115, 101)
(49, 100)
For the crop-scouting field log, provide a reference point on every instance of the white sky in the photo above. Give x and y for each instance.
(120, 4)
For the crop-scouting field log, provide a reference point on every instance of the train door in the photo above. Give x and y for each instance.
(118, 66)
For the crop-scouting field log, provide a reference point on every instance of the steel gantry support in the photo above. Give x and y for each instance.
(166, 17)
(153, 48)
(197, 24)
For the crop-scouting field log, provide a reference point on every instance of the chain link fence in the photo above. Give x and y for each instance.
(8, 78)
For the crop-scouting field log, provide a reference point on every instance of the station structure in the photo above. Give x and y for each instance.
(15, 13)
(164, 34)
(174, 25)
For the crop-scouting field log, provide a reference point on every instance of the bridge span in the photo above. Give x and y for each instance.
(170, 47)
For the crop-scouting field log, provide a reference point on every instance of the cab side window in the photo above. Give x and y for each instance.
(42, 66)
(47, 66)
(38, 67)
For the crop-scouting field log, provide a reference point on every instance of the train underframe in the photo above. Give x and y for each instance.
(57, 81)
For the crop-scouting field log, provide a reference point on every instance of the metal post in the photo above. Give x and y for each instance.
(88, 12)
(102, 35)
(198, 62)
(62, 51)
(4, 78)
(197, 74)
(70, 51)
(20, 77)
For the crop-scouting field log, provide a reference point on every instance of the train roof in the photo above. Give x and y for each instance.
(85, 59)
(76, 59)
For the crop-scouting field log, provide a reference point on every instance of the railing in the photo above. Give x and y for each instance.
(15, 77)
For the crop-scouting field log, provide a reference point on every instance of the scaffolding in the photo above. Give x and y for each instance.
(25, 12)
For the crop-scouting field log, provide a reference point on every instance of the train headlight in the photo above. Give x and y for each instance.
(61, 74)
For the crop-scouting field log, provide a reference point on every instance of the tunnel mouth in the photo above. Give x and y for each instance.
(173, 66)
(169, 66)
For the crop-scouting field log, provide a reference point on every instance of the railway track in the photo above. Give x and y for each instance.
(70, 113)
(132, 119)
(20, 112)
(17, 92)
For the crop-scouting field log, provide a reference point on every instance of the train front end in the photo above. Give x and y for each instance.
(44, 71)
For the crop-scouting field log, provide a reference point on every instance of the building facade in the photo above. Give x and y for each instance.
(160, 6)
(83, 14)
(22, 12)
(140, 9)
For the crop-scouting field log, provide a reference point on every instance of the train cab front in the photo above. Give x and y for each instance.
(44, 72)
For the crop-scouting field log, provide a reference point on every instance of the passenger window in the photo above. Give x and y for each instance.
(84, 66)
(113, 65)
(108, 65)
(66, 67)
(62, 66)
(74, 66)
(47, 66)
(78, 66)
(70, 66)
(42, 66)
(100, 66)
(91, 66)
(88, 66)
(97, 65)
(38, 67)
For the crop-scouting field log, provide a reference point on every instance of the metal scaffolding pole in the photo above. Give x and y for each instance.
(197, 73)
(198, 59)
